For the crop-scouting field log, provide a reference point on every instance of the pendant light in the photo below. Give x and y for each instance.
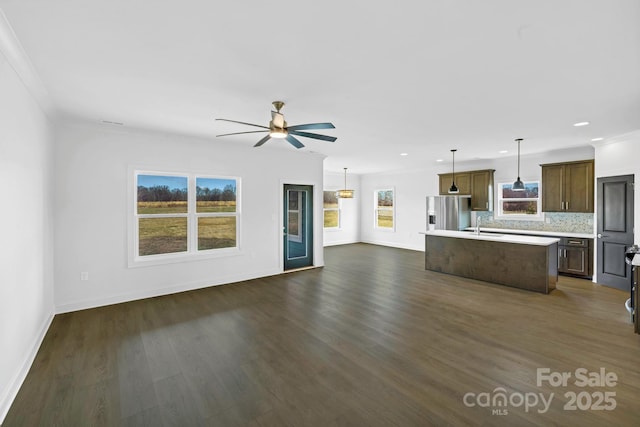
(345, 194)
(453, 189)
(518, 185)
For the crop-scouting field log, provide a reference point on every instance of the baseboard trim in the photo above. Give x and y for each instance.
(151, 293)
(340, 242)
(395, 245)
(10, 393)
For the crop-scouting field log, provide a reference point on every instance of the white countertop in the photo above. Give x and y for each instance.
(534, 232)
(505, 238)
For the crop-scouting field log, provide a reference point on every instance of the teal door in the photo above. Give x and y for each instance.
(298, 226)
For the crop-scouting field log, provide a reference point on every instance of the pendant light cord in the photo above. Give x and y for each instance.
(453, 166)
(519, 159)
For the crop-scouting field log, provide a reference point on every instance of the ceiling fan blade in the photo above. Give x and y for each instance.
(293, 141)
(277, 119)
(244, 123)
(312, 126)
(240, 133)
(262, 141)
(313, 135)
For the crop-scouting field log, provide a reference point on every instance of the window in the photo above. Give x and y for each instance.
(294, 216)
(216, 212)
(182, 214)
(520, 204)
(331, 210)
(384, 209)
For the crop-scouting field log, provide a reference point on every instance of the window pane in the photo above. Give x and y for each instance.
(162, 235)
(520, 208)
(330, 218)
(162, 194)
(385, 198)
(293, 199)
(530, 191)
(385, 218)
(294, 220)
(216, 232)
(330, 199)
(215, 195)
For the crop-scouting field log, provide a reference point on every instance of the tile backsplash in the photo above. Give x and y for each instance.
(554, 221)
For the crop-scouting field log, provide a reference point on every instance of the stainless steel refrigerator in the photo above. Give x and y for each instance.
(448, 212)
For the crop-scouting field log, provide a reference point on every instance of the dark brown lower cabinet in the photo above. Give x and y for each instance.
(575, 257)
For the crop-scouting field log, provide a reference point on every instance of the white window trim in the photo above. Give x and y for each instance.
(338, 209)
(192, 253)
(391, 229)
(519, 217)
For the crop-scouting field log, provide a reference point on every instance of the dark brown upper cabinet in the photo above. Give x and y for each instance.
(567, 187)
(477, 184)
(463, 182)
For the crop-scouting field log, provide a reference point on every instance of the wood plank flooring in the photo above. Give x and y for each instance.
(371, 339)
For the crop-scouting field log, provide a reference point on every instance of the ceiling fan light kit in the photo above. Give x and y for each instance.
(279, 129)
(278, 133)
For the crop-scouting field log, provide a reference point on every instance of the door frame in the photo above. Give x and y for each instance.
(317, 235)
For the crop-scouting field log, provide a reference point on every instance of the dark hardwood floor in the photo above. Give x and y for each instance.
(371, 339)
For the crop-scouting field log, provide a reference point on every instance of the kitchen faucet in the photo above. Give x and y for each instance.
(477, 226)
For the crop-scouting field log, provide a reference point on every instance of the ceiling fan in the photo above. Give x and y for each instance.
(278, 129)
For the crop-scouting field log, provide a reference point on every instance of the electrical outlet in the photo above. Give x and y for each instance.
(547, 220)
(84, 275)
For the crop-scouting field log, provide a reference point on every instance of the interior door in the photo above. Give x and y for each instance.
(615, 230)
(298, 226)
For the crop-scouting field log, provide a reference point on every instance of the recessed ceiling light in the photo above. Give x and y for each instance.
(404, 154)
(597, 139)
(503, 151)
(439, 160)
(581, 124)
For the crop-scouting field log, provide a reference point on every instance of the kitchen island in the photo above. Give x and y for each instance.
(525, 262)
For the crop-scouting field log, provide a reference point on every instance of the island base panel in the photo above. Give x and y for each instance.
(529, 267)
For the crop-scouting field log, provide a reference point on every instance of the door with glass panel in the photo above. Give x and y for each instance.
(298, 226)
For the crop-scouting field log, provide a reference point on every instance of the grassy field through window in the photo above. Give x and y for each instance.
(385, 218)
(331, 212)
(216, 232)
(169, 235)
(384, 209)
(162, 235)
(330, 218)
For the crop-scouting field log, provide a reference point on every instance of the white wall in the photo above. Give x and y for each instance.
(26, 256)
(410, 191)
(621, 156)
(349, 231)
(412, 187)
(93, 165)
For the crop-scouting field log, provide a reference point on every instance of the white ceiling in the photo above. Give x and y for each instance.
(419, 77)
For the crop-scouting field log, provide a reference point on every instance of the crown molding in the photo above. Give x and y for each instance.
(17, 58)
(625, 137)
